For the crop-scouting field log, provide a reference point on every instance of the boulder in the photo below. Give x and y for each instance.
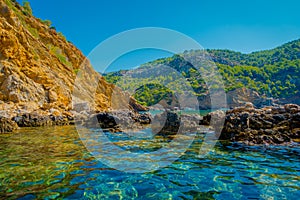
(144, 118)
(172, 123)
(166, 123)
(7, 125)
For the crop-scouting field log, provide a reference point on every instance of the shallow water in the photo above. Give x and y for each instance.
(49, 163)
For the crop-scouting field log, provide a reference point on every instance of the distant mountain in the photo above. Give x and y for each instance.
(287, 52)
(263, 77)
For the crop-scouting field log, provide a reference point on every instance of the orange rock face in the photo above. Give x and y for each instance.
(39, 65)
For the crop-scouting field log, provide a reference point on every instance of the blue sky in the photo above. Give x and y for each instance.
(244, 26)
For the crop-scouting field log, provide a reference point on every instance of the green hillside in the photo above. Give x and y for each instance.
(272, 73)
(287, 52)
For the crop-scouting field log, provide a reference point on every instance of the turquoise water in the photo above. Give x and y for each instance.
(50, 163)
(198, 112)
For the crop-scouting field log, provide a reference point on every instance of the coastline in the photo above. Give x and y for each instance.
(272, 125)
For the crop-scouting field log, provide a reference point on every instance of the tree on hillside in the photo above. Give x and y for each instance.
(27, 8)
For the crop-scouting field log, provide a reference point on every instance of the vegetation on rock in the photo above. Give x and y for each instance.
(38, 69)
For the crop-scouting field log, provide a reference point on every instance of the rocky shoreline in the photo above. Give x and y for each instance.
(275, 125)
(13, 116)
(33, 119)
(272, 125)
(116, 121)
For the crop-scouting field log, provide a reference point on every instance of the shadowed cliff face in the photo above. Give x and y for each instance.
(38, 65)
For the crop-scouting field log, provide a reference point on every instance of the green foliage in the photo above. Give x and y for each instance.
(272, 73)
(114, 77)
(34, 32)
(11, 5)
(287, 52)
(27, 8)
(151, 94)
(62, 36)
(14, 6)
(268, 80)
(76, 71)
(47, 22)
(59, 54)
(36, 55)
(21, 12)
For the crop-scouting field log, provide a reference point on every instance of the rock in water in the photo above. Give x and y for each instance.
(171, 123)
(166, 123)
(119, 120)
(269, 125)
(7, 125)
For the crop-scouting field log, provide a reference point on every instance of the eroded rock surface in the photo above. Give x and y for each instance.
(43, 76)
(269, 125)
(7, 125)
(119, 120)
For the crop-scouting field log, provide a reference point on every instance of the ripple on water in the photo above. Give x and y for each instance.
(56, 165)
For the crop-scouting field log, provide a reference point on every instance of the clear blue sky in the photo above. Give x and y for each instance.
(238, 25)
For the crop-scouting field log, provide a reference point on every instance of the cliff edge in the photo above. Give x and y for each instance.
(38, 69)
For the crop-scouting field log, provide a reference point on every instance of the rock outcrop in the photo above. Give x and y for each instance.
(172, 123)
(40, 68)
(119, 120)
(7, 125)
(269, 125)
(166, 123)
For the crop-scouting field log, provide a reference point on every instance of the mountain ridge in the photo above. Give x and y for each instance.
(275, 52)
(263, 74)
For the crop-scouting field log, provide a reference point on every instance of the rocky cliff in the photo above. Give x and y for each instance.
(38, 69)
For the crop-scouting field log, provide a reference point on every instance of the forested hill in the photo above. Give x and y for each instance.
(287, 52)
(269, 74)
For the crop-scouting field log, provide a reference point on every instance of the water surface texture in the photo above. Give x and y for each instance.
(50, 163)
